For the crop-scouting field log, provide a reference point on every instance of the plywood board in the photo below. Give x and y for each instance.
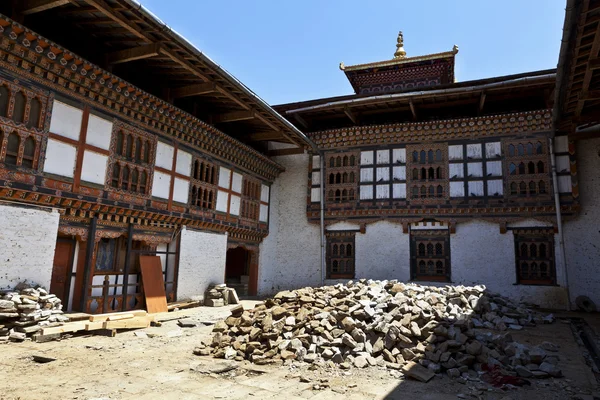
(154, 284)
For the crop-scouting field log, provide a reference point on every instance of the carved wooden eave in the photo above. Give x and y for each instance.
(451, 129)
(28, 54)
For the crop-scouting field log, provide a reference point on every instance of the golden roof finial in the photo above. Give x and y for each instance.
(400, 53)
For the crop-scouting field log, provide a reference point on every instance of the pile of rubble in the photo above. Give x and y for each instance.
(26, 310)
(220, 295)
(420, 330)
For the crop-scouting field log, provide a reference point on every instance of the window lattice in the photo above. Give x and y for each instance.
(427, 173)
(250, 206)
(203, 188)
(430, 255)
(340, 255)
(527, 168)
(342, 177)
(131, 160)
(534, 249)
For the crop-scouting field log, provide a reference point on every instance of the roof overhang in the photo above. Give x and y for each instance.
(126, 39)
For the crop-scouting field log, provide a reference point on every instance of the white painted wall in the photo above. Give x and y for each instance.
(94, 167)
(582, 235)
(290, 254)
(383, 252)
(201, 263)
(27, 239)
(480, 254)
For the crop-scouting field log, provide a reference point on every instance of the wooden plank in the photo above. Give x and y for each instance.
(68, 327)
(131, 323)
(78, 316)
(92, 326)
(193, 90)
(120, 317)
(135, 53)
(104, 317)
(29, 7)
(154, 285)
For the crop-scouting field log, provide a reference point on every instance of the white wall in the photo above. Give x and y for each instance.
(383, 252)
(27, 239)
(480, 254)
(582, 235)
(201, 263)
(290, 255)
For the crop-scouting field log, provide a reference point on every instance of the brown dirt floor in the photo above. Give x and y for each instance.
(163, 367)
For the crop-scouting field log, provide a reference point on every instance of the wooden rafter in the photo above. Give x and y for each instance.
(136, 53)
(481, 101)
(589, 71)
(233, 117)
(351, 115)
(118, 18)
(266, 136)
(413, 109)
(285, 152)
(35, 6)
(193, 90)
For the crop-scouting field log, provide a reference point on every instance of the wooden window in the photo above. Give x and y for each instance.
(340, 254)
(12, 149)
(428, 171)
(203, 188)
(4, 98)
(130, 171)
(341, 176)
(35, 109)
(527, 171)
(250, 206)
(28, 152)
(18, 114)
(430, 254)
(534, 250)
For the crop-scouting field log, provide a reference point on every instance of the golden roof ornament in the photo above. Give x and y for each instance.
(400, 53)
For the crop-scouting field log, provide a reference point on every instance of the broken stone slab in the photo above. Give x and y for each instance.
(214, 302)
(551, 369)
(42, 359)
(184, 323)
(418, 372)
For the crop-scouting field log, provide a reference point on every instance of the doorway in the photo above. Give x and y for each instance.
(60, 283)
(236, 270)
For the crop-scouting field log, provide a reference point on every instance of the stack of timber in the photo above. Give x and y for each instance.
(105, 324)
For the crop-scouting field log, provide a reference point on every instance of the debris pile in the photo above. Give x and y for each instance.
(420, 330)
(219, 296)
(26, 310)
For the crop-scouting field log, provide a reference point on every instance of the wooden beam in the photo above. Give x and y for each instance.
(285, 152)
(594, 63)
(136, 53)
(233, 116)
(29, 7)
(233, 97)
(589, 95)
(193, 90)
(589, 71)
(265, 136)
(351, 115)
(184, 63)
(413, 109)
(481, 102)
(101, 5)
(301, 121)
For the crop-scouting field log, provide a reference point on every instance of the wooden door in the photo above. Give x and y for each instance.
(61, 270)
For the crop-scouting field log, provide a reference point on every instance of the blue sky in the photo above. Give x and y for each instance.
(289, 51)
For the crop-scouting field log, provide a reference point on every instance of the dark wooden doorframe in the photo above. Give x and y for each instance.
(69, 270)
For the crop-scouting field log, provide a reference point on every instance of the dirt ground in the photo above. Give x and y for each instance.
(162, 366)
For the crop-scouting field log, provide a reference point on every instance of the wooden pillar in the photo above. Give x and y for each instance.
(89, 255)
(126, 269)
